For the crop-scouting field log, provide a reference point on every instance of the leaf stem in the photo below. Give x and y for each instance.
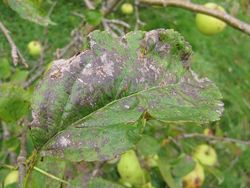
(30, 162)
(50, 175)
(6, 166)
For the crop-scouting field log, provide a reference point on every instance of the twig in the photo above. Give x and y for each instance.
(211, 137)
(118, 22)
(78, 15)
(6, 166)
(230, 20)
(138, 22)
(15, 53)
(22, 158)
(97, 169)
(107, 28)
(34, 77)
(89, 4)
(116, 29)
(108, 9)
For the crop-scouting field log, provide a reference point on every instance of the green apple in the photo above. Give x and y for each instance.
(35, 48)
(205, 154)
(208, 132)
(130, 170)
(195, 178)
(127, 8)
(11, 178)
(210, 25)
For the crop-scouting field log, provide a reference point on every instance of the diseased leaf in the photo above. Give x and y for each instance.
(93, 143)
(94, 105)
(28, 10)
(99, 182)
(93, 183)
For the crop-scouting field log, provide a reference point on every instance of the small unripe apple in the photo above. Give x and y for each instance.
(127, 8)
(206, 155)
(35, 48)
(210, 25)
(11, 178)
(195, 178)
(130, 170)
(208, 132)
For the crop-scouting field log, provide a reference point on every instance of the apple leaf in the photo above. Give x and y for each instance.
(93, 183)
(94, 105)
(49, 166)
(14, 103)
(5, 68)
(28, 10)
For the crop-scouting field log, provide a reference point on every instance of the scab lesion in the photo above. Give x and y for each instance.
(56, 74)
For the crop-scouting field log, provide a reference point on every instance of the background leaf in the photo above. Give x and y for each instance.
(14, 102)
(184, 165)
(28, 10)
(50, 166)
(5, 70)
(93, 17)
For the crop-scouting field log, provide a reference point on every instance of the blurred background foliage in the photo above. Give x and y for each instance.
(223, 58)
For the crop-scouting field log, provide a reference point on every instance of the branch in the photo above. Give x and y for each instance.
(15, 53)
(107, 10)
(89, 4)
(230, 20)
(21, 159)
(138, 21)
(34, 77)
(211, 137)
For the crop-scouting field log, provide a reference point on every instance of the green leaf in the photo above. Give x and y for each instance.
(14, 102)
(52, 168)
(5, 68)
(19, 76)
(216, 172)
(28, 10)
(165, 170)
(93, 17)
(184, 165)
(11, 144)
(156, 178)
(148, 146)
(93, 106)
